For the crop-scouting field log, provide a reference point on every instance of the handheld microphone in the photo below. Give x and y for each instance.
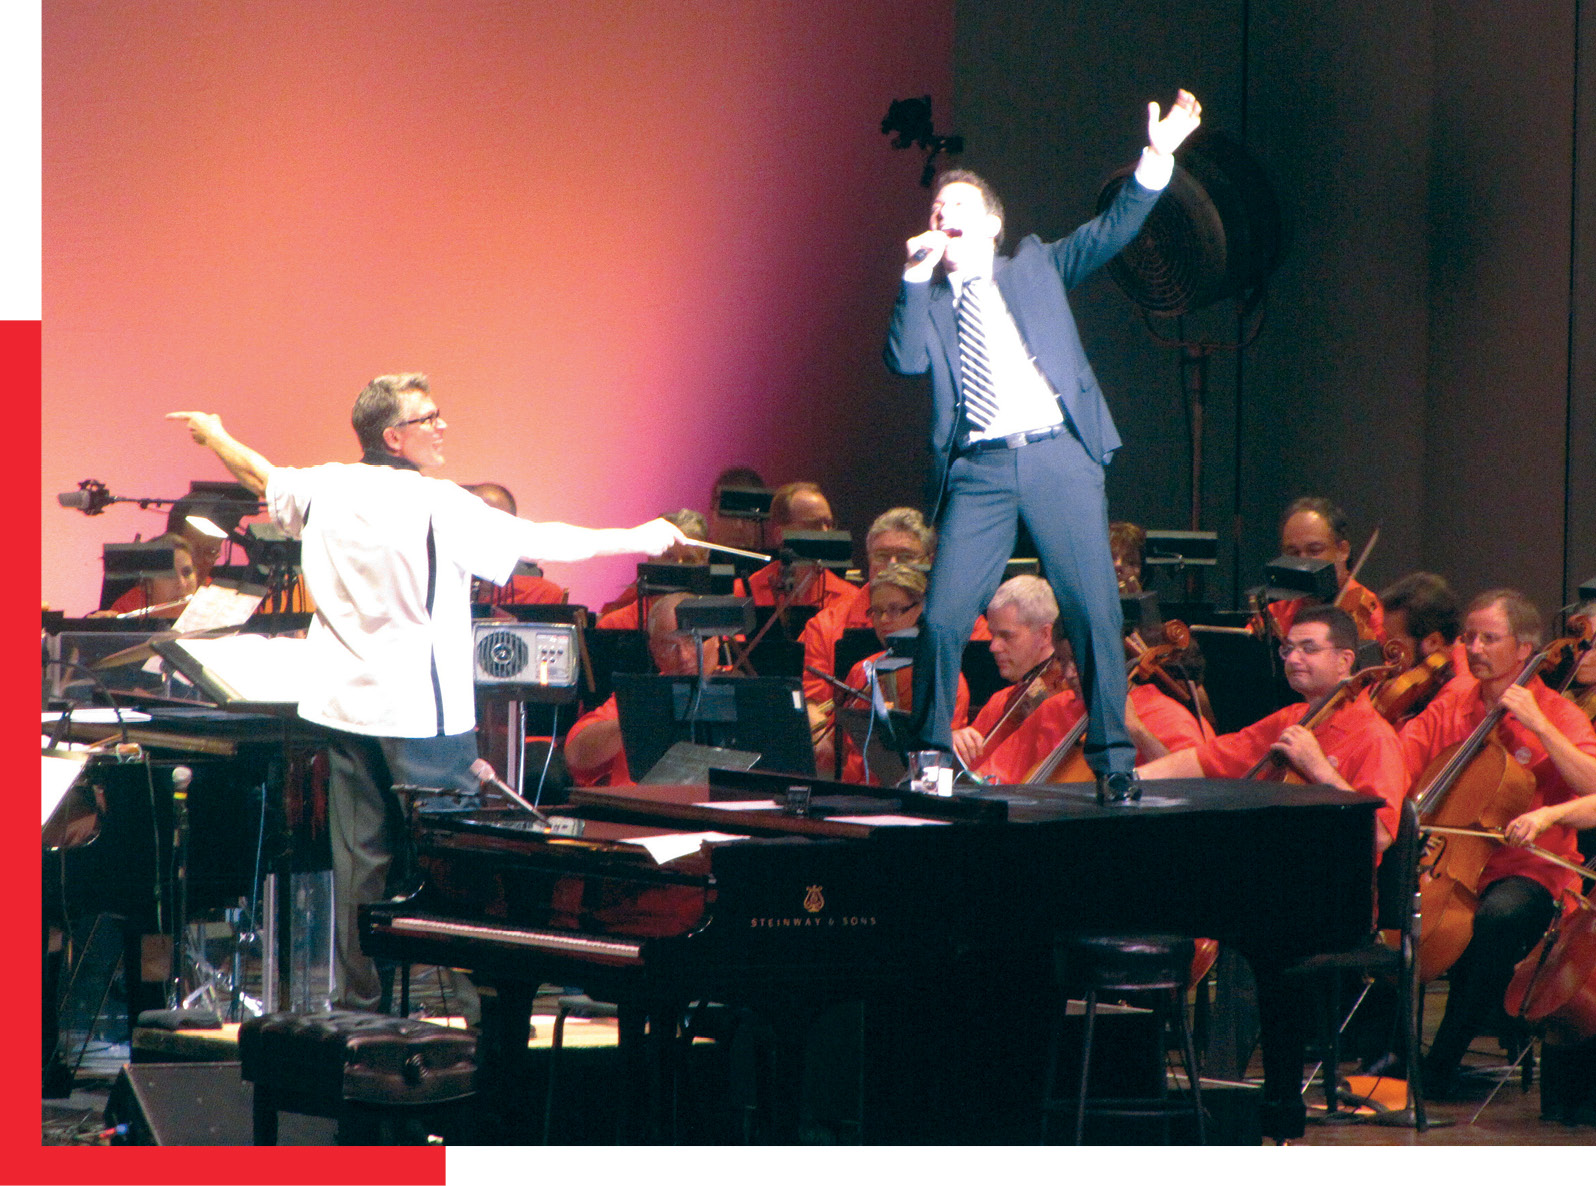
(915, 258)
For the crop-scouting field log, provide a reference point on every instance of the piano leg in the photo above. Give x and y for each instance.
(504, 1064)
(649, 1070)
(1283, 1037)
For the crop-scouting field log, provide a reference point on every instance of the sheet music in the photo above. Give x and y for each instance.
(253, 667)
(212, 607)
(215, 606)
(679, 844)
(57, 774)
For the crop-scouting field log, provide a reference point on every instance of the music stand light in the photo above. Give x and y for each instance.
(1287, 578)
(829, 549)
(141, 561)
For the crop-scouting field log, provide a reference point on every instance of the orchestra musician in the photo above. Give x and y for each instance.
(593, 749)
(1020, 616)
(897, 536)
(526, 585)
(1316, 529)
(161, 592)
(1582, 683)
(897, 594)
(624, 613)
(388, 556)
(735, 531)
(797, 506)
(1127, 543)
(1517, 892)
(1020, 429)
(1157, 723)
(1355, 749)
(203, 549)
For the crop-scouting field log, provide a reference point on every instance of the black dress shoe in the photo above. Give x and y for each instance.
(1120, 786)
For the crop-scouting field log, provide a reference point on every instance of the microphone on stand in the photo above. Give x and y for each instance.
(483, 770)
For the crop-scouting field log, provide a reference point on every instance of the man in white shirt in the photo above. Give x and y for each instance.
(1019, 429)
(388, 556)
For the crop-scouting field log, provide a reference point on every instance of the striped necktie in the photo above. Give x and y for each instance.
(975, 367)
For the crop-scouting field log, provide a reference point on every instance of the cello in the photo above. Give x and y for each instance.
(1475, 786)
(1554, 986)
(1273, 766)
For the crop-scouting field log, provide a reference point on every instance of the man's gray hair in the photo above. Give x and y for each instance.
(1031, 597)
(907, 520)
(377, 407)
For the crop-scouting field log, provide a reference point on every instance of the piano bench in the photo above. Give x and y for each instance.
(1152, 967)
(370, 1072)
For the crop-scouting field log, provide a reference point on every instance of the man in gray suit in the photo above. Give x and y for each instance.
(1019, 429)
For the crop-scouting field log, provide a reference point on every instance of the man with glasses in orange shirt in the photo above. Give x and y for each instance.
(1355, 750)
(1518, 892)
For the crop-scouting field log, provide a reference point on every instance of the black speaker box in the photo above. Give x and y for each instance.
(197, 1103)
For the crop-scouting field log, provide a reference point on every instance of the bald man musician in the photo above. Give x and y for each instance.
(593, 749)
(1020, 429)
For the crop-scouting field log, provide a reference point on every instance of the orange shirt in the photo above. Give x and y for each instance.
(993, 711)
(903, 678)
(821, 633)
(613, 773)
(1168, 719)
(523, 589)
(1017, 755)
(1019, 750)
(1356, 740)
(825, 588)
(1358, 601)
(1452, 716)
(625, 618)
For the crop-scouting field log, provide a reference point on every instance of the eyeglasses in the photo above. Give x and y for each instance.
(1307, 648)
(892, 611)
(430, 420)
(1469, 637)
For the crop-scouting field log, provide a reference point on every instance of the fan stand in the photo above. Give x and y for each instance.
(1194, 357)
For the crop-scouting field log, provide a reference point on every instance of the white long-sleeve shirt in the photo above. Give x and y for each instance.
(385, 664)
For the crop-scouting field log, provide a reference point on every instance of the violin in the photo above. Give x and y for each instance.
(1042, 681)
(1404, 696)
(1145, 664)
(1361, 604)
(1473, 785)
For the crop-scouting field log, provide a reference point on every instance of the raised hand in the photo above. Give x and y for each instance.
(1167, 134)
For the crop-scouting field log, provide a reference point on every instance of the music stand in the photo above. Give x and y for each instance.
(761, 714)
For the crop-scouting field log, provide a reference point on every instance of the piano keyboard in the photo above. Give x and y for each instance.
(612, 951)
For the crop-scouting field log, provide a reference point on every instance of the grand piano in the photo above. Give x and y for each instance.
(907, 903)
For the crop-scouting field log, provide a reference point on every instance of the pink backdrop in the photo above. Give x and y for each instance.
(631, 244)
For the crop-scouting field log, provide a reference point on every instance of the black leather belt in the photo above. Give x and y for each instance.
(1013, 441)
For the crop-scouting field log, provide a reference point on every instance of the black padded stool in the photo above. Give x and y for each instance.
(368, 1071)
(1159, 965)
